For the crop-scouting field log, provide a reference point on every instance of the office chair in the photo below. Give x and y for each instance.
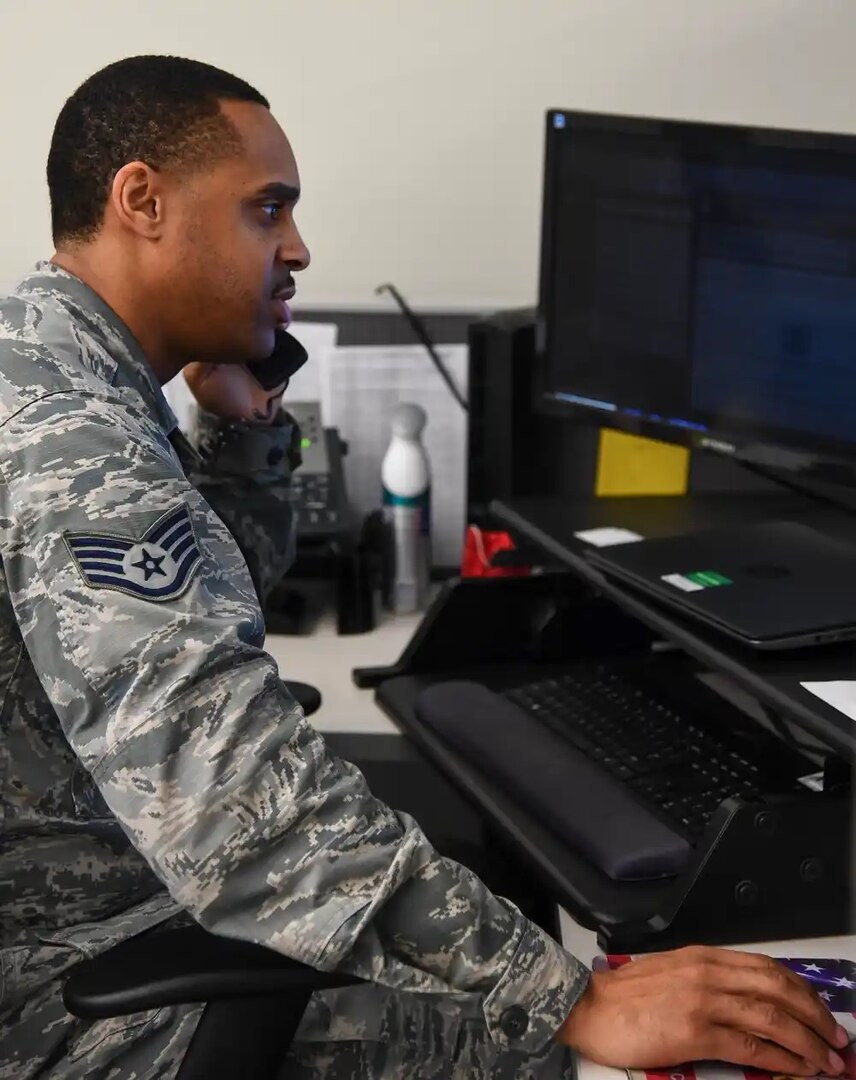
(306, 696)
(254, 998)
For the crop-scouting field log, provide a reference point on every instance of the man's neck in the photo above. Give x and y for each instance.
(83, 263)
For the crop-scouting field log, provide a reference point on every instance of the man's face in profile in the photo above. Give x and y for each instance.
(230, 245)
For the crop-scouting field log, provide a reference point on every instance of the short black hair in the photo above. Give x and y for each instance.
(163, 110)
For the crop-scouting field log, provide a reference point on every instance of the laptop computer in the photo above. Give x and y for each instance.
(780, 585)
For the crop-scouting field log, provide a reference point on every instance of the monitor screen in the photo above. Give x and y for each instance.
(698, 284)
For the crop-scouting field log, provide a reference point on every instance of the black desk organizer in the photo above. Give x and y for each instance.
(781, 869)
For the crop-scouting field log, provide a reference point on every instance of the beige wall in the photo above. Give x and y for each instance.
(418, 123)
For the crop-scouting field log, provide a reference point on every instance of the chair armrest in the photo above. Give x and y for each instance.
(183, 966)
(307, 697)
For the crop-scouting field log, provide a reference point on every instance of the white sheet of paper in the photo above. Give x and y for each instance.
(365, 384)
(181, 401)
(840, 695)
(607, 536)
(312, 382)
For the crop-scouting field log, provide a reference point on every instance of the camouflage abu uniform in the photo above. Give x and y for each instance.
(151, 760)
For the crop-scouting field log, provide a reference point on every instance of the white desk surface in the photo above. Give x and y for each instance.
(583, 944)
(325, 659)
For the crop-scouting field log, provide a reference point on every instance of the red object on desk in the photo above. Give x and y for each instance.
(480, 547)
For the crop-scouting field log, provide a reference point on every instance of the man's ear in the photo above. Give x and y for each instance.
(136, 199)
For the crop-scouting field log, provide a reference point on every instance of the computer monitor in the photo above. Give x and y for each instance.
(698, 285)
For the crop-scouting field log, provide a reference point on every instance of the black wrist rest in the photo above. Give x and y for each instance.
(588, 808)
(183, 966)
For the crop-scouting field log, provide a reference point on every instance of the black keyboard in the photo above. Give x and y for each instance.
(680, 753)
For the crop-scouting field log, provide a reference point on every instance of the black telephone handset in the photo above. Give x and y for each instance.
(288, 356)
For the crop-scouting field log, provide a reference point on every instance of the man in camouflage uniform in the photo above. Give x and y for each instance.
(153, 764)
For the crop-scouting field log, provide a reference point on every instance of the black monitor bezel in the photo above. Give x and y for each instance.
(828, 459)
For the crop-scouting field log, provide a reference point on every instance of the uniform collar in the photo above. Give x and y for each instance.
(112, 333)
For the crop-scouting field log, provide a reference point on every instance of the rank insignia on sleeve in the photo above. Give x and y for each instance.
(158, 566)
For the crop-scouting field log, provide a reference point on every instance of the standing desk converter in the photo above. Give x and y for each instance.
(763, 871)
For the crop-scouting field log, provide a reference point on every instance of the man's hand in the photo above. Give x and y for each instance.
(702, 1003)
(230, 391)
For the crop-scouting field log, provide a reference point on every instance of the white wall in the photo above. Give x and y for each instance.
(418, 123)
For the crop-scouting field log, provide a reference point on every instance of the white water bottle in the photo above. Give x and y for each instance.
(406, 478)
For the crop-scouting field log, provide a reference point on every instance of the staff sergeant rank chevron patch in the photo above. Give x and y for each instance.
(159, 567)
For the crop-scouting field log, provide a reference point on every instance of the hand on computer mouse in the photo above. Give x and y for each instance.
(703, 1003)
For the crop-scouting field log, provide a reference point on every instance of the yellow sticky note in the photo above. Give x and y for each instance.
(631, 465)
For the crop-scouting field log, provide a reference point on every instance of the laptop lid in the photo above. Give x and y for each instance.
(777, 584)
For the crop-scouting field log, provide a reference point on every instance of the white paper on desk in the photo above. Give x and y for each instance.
(608, 536)
(312, 382)
(366, 383)
(840, 695)
(590, 1070)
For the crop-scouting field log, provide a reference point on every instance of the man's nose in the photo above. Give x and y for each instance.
(293, 252)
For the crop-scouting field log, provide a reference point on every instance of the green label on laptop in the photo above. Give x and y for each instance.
(697, 580)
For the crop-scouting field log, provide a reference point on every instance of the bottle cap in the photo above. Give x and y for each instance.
(408, 420)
